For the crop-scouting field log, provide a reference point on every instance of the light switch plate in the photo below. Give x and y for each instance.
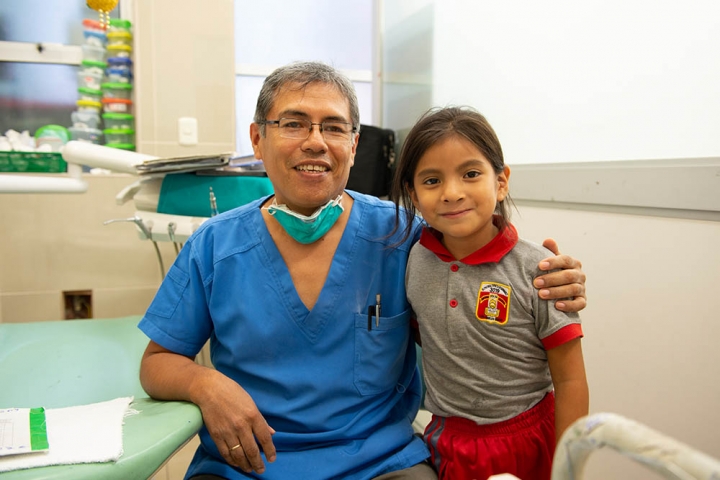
(187, 131)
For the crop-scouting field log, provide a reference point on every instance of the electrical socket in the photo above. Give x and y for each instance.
(187, 131)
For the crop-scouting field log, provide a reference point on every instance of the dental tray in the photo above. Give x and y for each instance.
(32, 162)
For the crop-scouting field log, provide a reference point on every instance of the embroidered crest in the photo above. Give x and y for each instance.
(493, 304)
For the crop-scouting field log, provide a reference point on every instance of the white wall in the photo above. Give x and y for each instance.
(651, 325)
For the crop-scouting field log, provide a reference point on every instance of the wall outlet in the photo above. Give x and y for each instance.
(187, 131)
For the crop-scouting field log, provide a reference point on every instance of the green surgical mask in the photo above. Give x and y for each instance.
(307, 229)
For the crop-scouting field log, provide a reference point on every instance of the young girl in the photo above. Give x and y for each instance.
(504, 369)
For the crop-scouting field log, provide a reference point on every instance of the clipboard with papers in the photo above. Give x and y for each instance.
(211, 165)
(183, 164)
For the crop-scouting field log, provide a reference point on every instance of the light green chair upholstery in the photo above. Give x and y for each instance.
(78, 362)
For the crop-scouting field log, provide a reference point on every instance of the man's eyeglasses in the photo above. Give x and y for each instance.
(299, 129)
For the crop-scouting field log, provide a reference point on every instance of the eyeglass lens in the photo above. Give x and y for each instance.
(300, 129)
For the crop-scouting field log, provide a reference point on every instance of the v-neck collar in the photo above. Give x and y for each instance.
(312, 322)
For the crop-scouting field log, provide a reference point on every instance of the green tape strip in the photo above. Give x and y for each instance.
(38, 429)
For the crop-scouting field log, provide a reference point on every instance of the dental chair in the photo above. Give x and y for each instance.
(79, 362)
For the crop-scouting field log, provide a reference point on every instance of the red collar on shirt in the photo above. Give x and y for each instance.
(495, 250)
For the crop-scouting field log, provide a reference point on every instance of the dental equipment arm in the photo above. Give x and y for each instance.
(76, 154)
(72, 183)
(658, 452)
(136, 220)
(99, 156)
(147, 232)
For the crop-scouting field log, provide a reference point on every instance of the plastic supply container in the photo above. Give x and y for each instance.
(85, 119)
(119, 136)
(89, 106)
(118, 75)
(117, 105)
(118, 121)
(93, 52)
(93, 66)
(121, 37)
(117, 90)
(55, 136)
(97, 39)
(85, 134)
(90, 94)
(119, 70)
(121, 146)
(90, 78)
(122, 62)
(119, 50)
(92, 26)
(119, 25)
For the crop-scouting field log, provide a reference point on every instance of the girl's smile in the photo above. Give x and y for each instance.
(456, 214)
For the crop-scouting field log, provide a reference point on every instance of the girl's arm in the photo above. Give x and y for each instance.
(571, 390)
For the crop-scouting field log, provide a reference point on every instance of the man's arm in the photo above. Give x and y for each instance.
(567, 285)
(571, 390)
(229, 413)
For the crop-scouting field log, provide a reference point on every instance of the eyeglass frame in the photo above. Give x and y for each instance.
(354, 129)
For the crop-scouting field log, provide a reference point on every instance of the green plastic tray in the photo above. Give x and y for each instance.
(32, 162)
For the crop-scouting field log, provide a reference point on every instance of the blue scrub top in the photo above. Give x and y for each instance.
(341, 398)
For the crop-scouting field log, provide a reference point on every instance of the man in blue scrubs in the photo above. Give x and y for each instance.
(305, 385)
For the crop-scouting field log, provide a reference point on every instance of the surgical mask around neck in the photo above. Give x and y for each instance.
(306, 229)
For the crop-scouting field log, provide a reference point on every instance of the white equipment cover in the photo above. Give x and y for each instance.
(660, 453)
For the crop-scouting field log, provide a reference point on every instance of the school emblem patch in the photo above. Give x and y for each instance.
(493, 303)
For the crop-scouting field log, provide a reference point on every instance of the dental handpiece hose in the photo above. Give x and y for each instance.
(213, 203)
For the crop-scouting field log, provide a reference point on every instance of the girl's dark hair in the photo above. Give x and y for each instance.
(436, 125)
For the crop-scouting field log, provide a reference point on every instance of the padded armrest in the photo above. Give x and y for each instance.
(78, 362)
(70, 362)
(149, 439)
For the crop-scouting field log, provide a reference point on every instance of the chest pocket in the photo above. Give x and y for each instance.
(380, 352)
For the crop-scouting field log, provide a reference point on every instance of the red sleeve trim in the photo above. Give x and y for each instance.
(564, 335)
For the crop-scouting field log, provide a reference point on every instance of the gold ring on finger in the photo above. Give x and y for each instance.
(236, 446)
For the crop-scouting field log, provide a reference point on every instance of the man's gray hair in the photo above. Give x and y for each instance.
(300, 75)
